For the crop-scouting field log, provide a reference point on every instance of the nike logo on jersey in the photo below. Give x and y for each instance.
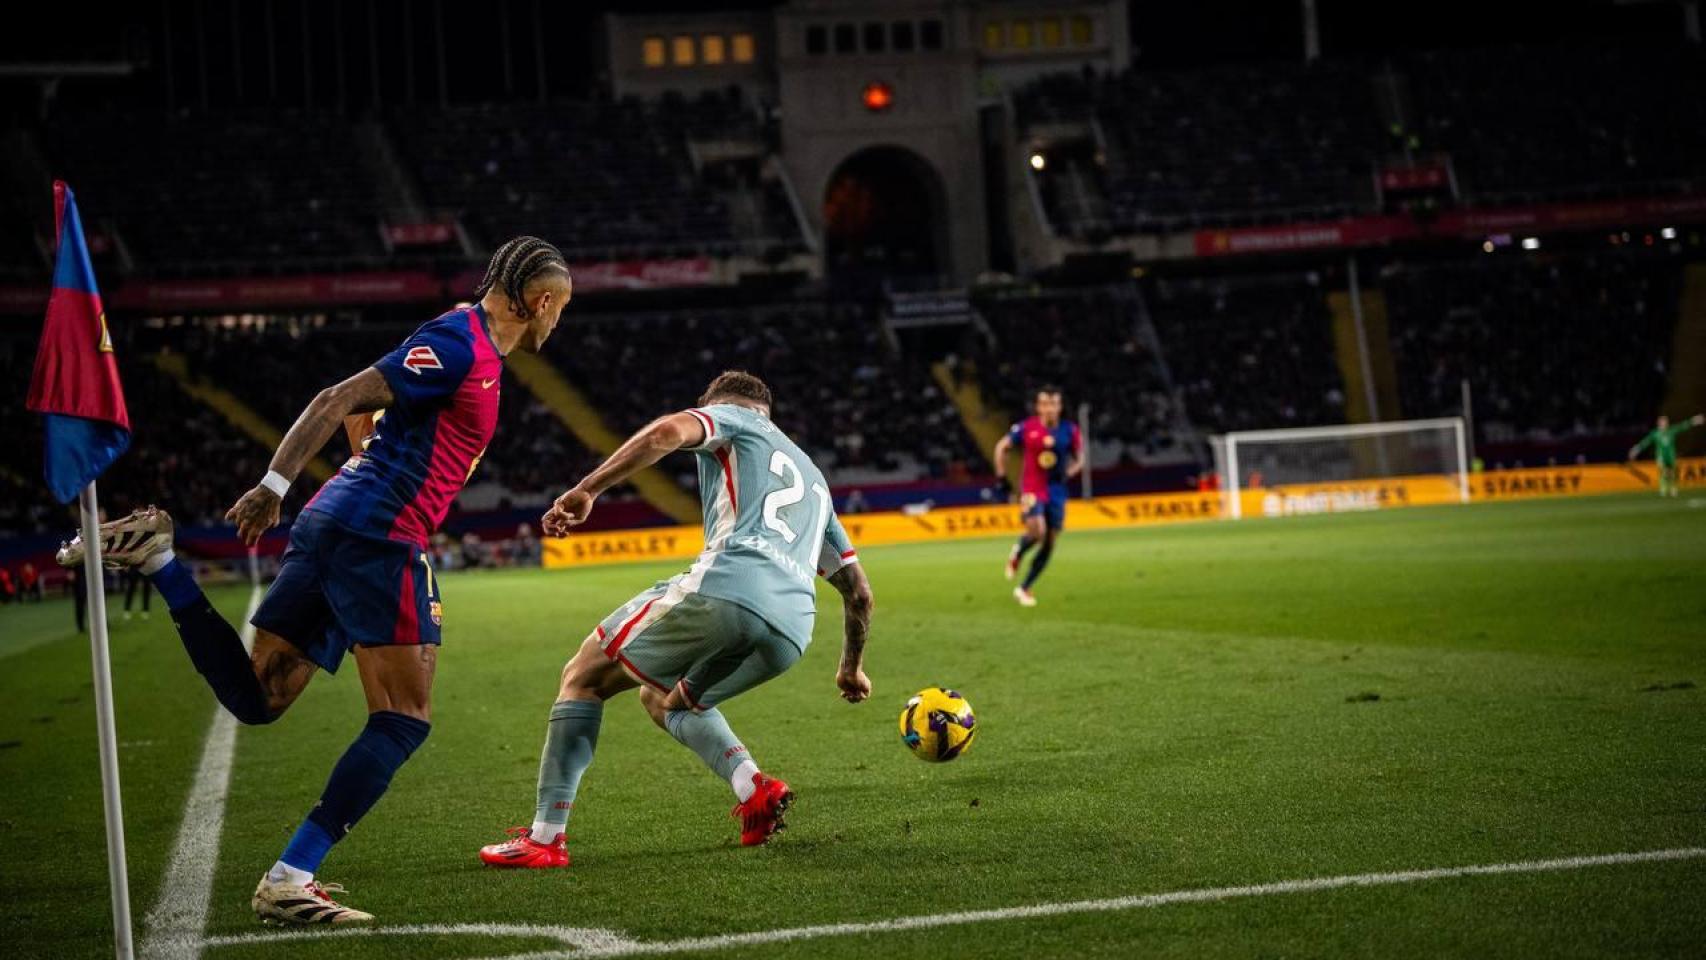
(421, 358)
(487, 384)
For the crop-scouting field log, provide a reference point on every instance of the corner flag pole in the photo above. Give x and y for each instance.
(93, 582)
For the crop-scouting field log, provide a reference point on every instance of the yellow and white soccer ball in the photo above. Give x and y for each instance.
(937, 725)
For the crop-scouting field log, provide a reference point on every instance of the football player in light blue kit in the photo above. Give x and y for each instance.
(741, 614)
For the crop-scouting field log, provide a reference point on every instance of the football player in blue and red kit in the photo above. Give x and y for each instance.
(355, 576)
(1053, 453)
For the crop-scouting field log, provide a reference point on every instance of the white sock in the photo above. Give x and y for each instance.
(544, 832)
(741, 780)
(155, 561)
(284, 872)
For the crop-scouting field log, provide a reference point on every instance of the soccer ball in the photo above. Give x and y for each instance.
(937, 725)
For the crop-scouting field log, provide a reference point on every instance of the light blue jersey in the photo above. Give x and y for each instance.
(770, 527)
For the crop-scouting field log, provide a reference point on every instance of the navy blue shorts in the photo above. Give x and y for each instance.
(1052, 510)
(337, 589)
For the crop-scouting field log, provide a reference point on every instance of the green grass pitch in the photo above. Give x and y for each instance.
(1190, 707)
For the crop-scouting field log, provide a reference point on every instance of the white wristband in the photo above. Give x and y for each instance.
(275, 482)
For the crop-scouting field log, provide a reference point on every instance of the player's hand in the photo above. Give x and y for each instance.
(570, 510)
(1003, 489)
(855, 686)
(254, 514)
(1699, 419)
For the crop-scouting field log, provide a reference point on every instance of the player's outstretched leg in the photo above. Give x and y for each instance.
(143, 542)
(398, 684)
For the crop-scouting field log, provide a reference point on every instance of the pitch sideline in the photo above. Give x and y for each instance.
(604, 943)
(173, 929)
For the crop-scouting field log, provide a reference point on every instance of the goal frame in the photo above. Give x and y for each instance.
(1231, 487)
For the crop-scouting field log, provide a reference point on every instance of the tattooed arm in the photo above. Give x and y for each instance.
(856, 605)
(257, 511)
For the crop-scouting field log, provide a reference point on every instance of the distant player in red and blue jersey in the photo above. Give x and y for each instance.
(356, 576)
(1053, 454)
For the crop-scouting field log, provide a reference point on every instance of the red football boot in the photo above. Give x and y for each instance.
(761, 814)
(522, 851)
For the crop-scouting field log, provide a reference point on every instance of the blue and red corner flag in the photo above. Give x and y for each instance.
(75, 384)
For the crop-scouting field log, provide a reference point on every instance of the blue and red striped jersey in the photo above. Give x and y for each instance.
(445, 383)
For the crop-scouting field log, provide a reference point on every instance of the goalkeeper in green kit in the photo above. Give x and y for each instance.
(1663, 441)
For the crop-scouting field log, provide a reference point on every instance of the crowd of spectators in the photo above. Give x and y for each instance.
(1534, 124)
(842, 392)
(1250, 352)
(1244, 143)
(1261, 143)
(596, 177)
(1088, 343)
(1552, 346)
(242, 191)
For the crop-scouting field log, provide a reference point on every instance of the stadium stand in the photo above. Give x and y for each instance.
(1086, 342)
(306, 202)
(598, 178)
(841, 392)
(1562, 122)
(1250, 352)
(1552, 346)
(1219, 146)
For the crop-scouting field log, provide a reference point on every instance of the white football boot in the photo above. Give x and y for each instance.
(125, 542)
(1025, 597)
(282, 903)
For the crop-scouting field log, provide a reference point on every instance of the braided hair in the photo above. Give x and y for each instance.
(516, 264)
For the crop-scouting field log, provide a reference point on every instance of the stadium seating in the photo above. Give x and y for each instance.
(1552, 346)
(252, 192)
(1087, 343)
(840, 391)
(598, 178)
(1551, 123)
(1250, 352)
(1224, 145)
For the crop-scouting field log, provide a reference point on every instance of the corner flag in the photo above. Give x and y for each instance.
(75, 384)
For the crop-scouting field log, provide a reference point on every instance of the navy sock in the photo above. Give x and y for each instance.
(358, 781)
(213, 645)
(176, 584)
(1038, 563)
(1026, 542)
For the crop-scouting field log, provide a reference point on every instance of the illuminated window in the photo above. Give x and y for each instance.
(712, 48)
(742, 47)
(817, 40)
(1021, 34)
(681, 50)
(930, 35)
(1051, 33)
(876, 38)
(1082, 32)
(993, 36)
(651, 51)
(846, 38)
(901, 32)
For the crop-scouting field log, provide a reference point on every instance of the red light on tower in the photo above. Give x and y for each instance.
(877, 96)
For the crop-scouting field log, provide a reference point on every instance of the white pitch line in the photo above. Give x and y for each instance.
(174, 927)
(592, 942)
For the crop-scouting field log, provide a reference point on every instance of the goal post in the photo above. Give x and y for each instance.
(1341, 454)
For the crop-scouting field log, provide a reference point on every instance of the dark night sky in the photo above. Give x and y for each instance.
(1165, 34)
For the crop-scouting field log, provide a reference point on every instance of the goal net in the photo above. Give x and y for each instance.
(1342, 467)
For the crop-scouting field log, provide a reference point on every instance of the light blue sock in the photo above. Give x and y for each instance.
(707, 734)
(570, 739)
